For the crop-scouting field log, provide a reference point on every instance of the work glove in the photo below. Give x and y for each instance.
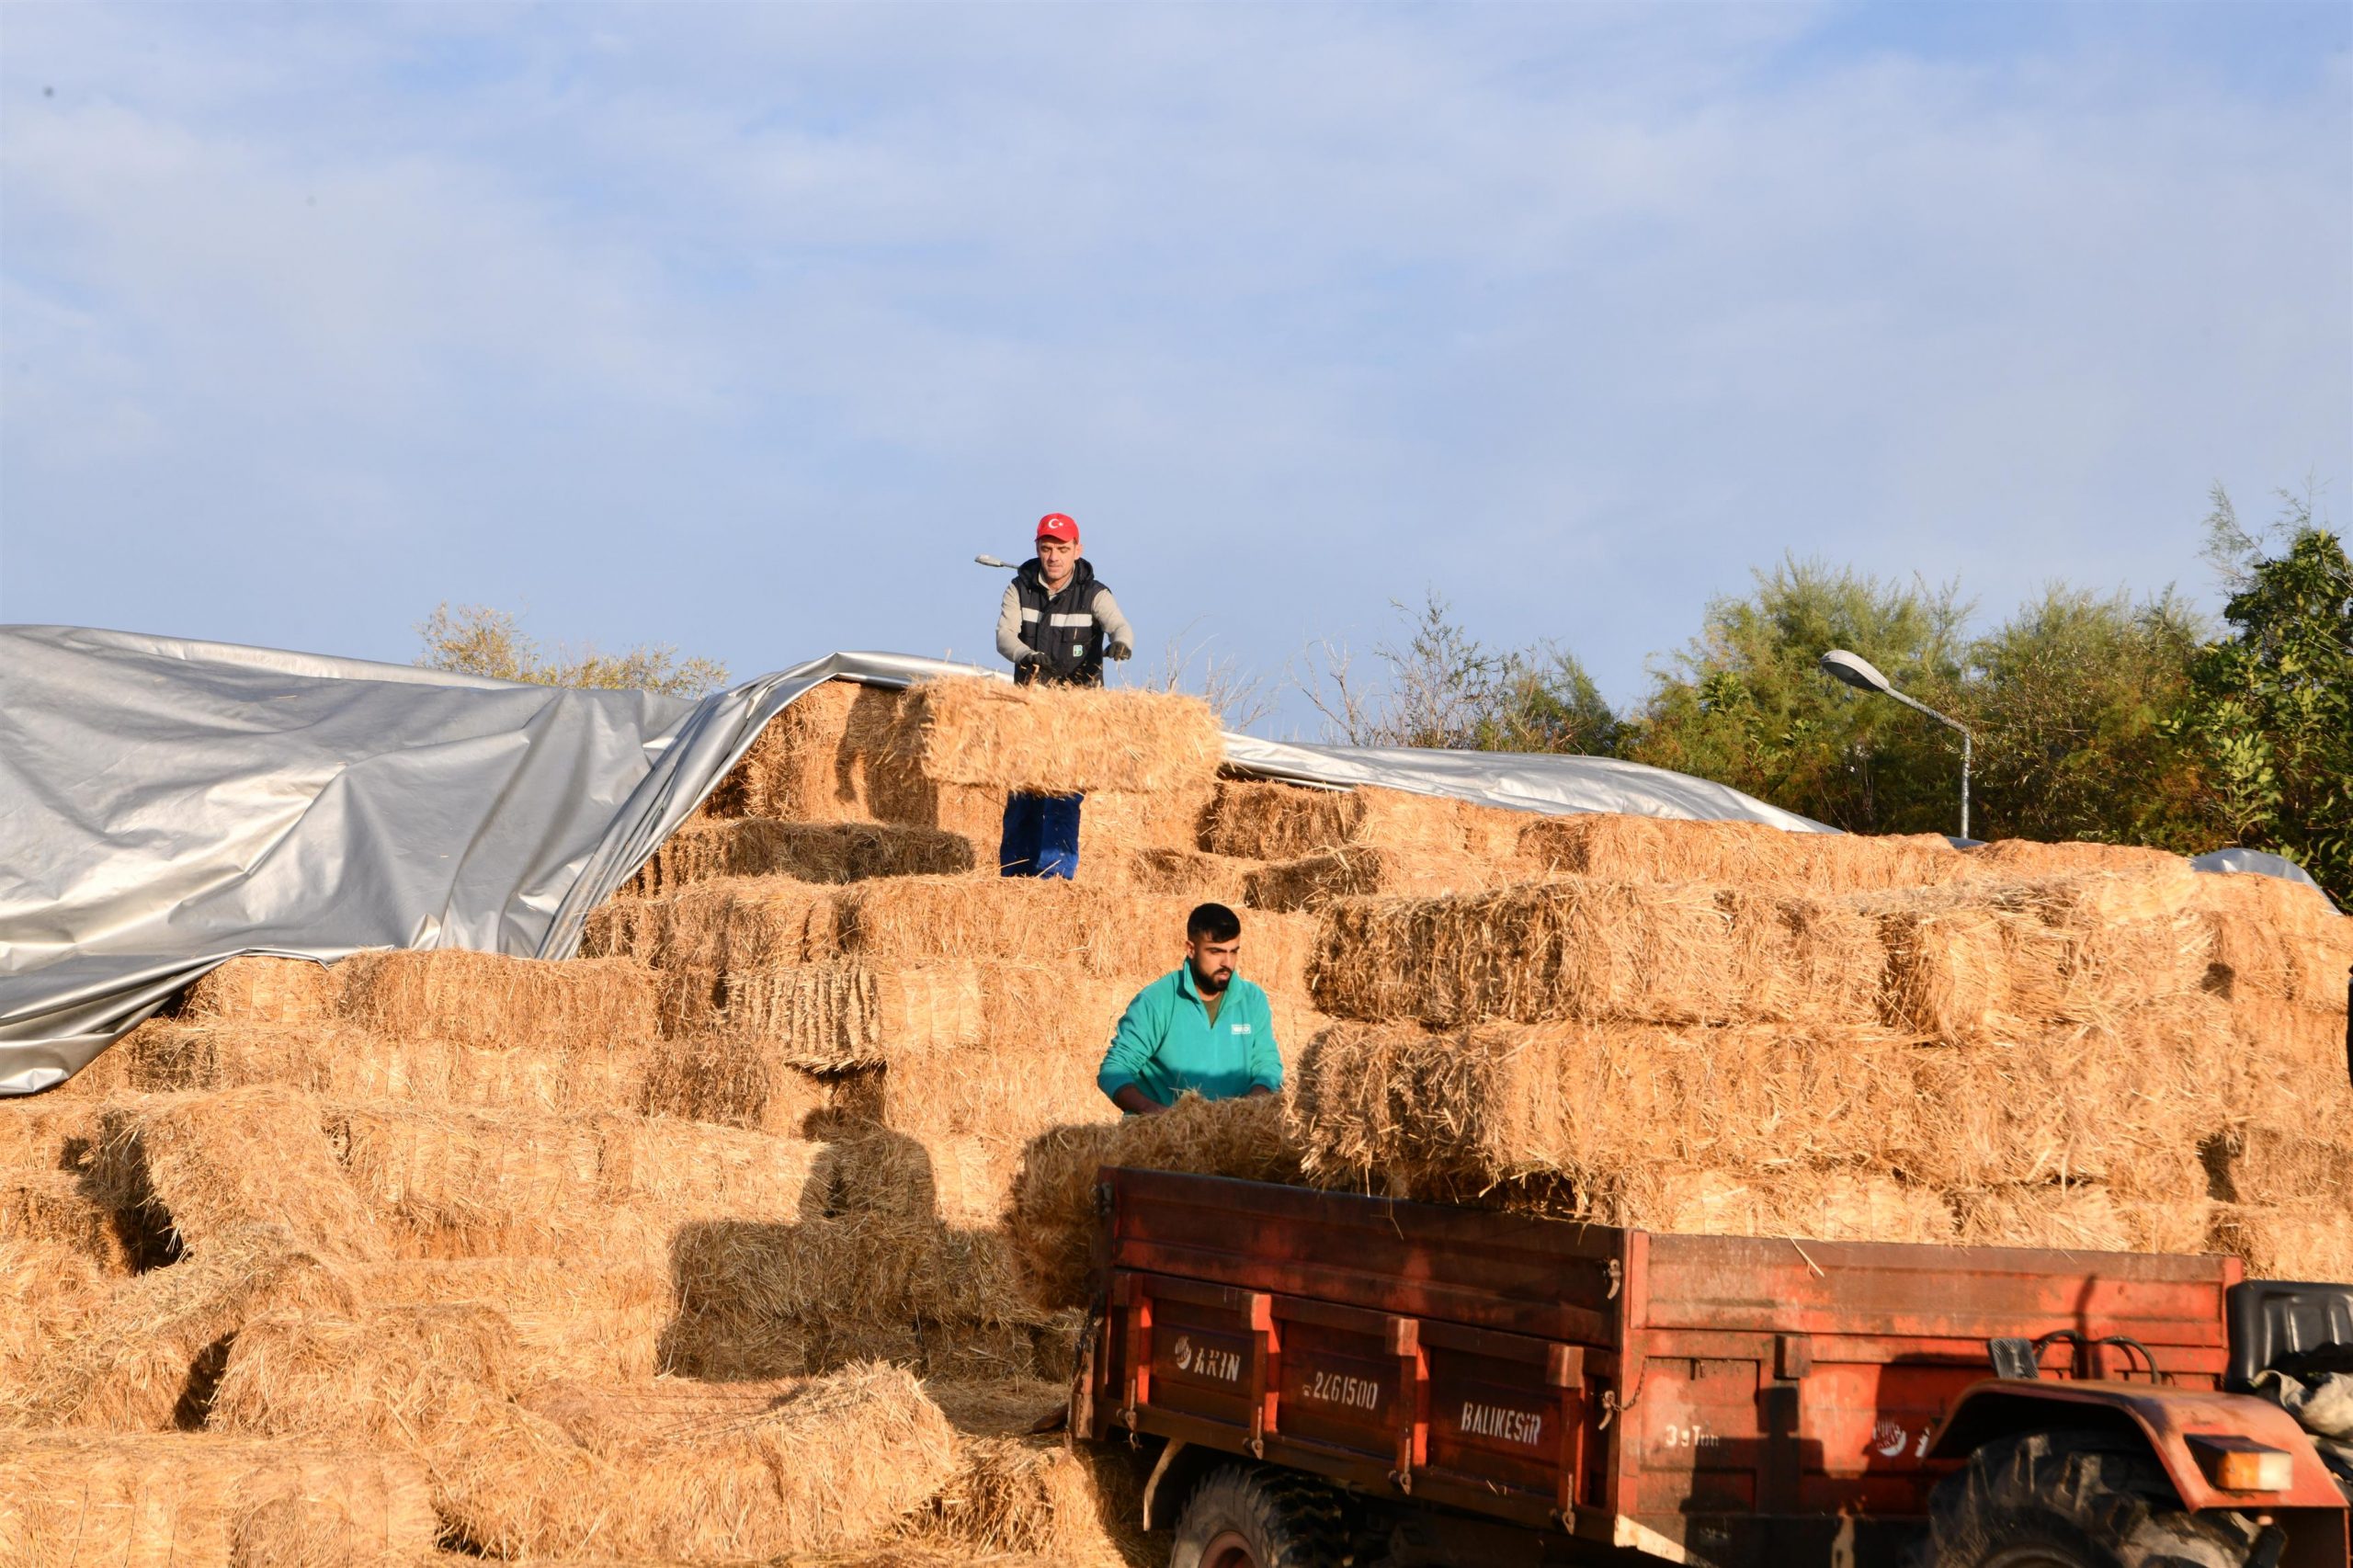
(1121, 652)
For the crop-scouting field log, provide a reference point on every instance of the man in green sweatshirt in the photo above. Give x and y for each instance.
(1201, 1027)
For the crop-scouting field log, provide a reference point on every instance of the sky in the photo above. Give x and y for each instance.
(744, 328)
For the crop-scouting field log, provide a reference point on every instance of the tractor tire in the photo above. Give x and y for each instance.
(1241, 1516)
(2074, 1500)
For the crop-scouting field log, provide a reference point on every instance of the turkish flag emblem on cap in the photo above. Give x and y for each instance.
(1057, 524)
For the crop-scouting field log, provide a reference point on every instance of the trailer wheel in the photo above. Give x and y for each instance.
(2074, 1500)
(1244, 1517)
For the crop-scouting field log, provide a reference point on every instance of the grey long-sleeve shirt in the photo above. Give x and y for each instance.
(1117, 632)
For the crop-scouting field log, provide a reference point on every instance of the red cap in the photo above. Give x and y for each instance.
(1057, 524)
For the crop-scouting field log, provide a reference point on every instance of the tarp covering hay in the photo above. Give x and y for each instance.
(1058, 740)
(466, 1184)
(1283, 821)
(184, 1500)
(1665, 952)
(261, 991)
(1632, 848)
(807, 852)
(204, 1166)
(487, 999)
(1054, 1214)
(854, 1014)
(705, 1473)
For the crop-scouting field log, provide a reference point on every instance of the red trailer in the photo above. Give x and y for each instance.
(1318, 1378)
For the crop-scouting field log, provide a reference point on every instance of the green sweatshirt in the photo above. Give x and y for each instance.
(1166, 1043)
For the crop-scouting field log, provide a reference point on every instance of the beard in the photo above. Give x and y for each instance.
(1209, 984)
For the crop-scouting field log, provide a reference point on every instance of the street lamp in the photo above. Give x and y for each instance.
(1859, 673)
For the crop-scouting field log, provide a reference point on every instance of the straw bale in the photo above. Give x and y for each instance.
(957, 1179)
(145, 1357)
(458, 1184)
(52, 1131)
(865, 1269)
(491, 1000)
(1600, 1106)
(2265, 1167)
(1058, 740)
(1636, 848)
(2080, 1217)
(2275, 938)
(1052, 1215)
(1283, 821)
(1831, 1206)
(728, 922)
(1187, 873)
(191, 1499)
(2287, 1244)
(202, 1166)
(1668, 952)
(1115, 824)
(795, 768)
(1358, 871)
(2012, 859)
(706, 1472)
(401, 1376)
(807, 852)
(735, 1083)
(45, 1290)
(344, 1062)
(261, 991)
(1018, 1493)
(853, 1014)
(53, 1208)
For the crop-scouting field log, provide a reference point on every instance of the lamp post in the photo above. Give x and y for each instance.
(1858, 672)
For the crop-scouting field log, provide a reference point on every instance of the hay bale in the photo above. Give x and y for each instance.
(70, 1498)
(807, 852)
(469, 1184)
(1664, 952)
(2274, 939)
(404, 1377)
(1183, 872)
(957, 1179)
(1638, 848)
(488, 999)
(52, 1131)
(45, 1290)
(1041, 1495)
(1117, 825)
(55, 1209)
(1058, 740)
(1822, 1204)
(1602, 1110)
(852, 1014)
(2264, 1167)
(704, 1472)
(1052, 1217)
(1356, 871)
(2287, 1244)
(1283, 821)
(261, 991)
(2016, 859)
(733, 1083)
(2073, 1216)
(145, 1358)
(202, 1165)
(344, 1062)
(728, 922)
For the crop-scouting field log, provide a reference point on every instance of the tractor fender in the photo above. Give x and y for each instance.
(2168, 1420)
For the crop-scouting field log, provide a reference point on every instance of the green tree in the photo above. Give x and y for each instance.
(2071, 702)
(1745, 704)
(482, 641)
(2272, 703)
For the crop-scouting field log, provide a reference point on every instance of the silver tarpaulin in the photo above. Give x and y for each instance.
(166, 805)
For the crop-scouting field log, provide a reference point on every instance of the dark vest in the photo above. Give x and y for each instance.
(1061, 627)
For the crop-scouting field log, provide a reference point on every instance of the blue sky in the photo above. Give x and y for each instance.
(744, 328)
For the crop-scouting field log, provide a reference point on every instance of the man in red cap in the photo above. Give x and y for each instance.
(1058, 623)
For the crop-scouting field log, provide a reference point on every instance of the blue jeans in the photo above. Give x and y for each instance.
(1041, 836)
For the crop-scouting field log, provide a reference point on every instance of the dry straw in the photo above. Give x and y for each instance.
(1634, 848)
(1182, 872)
(53, 1209)
(807, 852)
(491, 1000)
(699, 1472)
(152, 1502)
(2080, 1218)
(205, 1166)
(832, 756)
(45, 1290)
(1041, 1496)
(2287, 1244)
(2268, 1168)
(1668, 952)
(57, 1131)
(1284, 821)
(261, 991)
(718, 1078)
(1054, 1216)
(1358, 871)
(1058, 740)
(461, 1184)
(2013, 859)
(729, 923)
(1118, 825)
(2275, 939)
